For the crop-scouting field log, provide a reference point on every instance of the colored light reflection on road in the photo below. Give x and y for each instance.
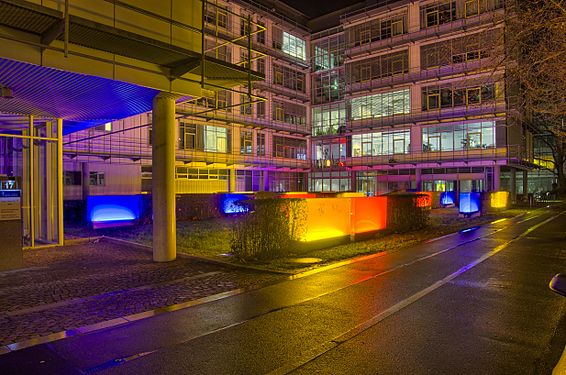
(499, 199)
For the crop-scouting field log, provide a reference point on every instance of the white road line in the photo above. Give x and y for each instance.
(327, 346)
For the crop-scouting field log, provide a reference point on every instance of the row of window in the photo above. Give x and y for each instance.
(185, 173)
(460, 50)
(434, 97)
(329, 54)
(289, 78)
(378, 67)
(381, 105)
(212, 138)
(74, 178)
(453, 137)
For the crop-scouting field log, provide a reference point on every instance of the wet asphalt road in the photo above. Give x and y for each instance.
(472, 303)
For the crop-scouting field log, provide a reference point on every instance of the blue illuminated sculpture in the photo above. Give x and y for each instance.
(112, 210)
(447, 198)
(469, 203)
(233, 203)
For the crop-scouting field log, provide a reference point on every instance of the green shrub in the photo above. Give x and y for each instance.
(403, 213)
(269, 230)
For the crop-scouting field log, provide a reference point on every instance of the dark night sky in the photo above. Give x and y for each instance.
(315, 8)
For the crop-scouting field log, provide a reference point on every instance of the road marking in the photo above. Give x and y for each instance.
(314, 353)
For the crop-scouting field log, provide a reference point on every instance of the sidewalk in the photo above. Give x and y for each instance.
(79, 285)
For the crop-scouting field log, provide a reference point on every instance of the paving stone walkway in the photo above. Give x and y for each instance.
(73, 286)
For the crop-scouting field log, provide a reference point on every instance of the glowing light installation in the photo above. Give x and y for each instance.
(424, 199)
(230, 203)
(368, 214)
(112, 210)
(328, 218)
(469, 203)
(499, 199)
(447, 198)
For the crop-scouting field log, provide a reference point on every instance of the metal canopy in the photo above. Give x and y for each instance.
(77, 98)
(47, 23)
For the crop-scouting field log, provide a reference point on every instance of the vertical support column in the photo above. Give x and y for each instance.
(418, 180)
(163, 178)
(31, 187)
(513, 186)
(266, 180)
(232, 179)
(60, 228)
(496, 178)
(525, 186)
(51, 183)
(353, 184)
(85, 178)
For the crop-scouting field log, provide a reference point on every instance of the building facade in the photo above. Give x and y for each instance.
(412, 95)
(227, 140)
(406, 96)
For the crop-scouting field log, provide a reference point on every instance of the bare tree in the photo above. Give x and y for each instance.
(536, 64)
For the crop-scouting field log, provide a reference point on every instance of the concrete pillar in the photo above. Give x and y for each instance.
(51, 182)
(85, 178)
(353, 181)
(232, 179)
(163, 178)
(513, 186)
(496, 178)
(266, 180)
(418, 180)
(525, 184)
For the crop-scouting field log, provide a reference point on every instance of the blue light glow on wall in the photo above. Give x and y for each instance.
(447, 198)
(469, 203)
(230, 203)
(112, 208)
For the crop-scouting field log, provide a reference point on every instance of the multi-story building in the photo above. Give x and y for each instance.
(401, 95)
(226, 141)
(412, 95)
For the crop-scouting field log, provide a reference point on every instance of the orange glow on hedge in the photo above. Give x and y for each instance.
(424, 199)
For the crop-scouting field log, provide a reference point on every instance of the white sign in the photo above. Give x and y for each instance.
(10, 209)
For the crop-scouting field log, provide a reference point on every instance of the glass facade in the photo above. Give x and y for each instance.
(457, 137)
(381, 105)
(381, 143)
(328, 120)
(294, 46)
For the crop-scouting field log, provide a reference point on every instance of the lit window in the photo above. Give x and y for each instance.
(381, 105)
(294, 46)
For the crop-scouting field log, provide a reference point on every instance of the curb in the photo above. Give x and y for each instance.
(80, 240)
